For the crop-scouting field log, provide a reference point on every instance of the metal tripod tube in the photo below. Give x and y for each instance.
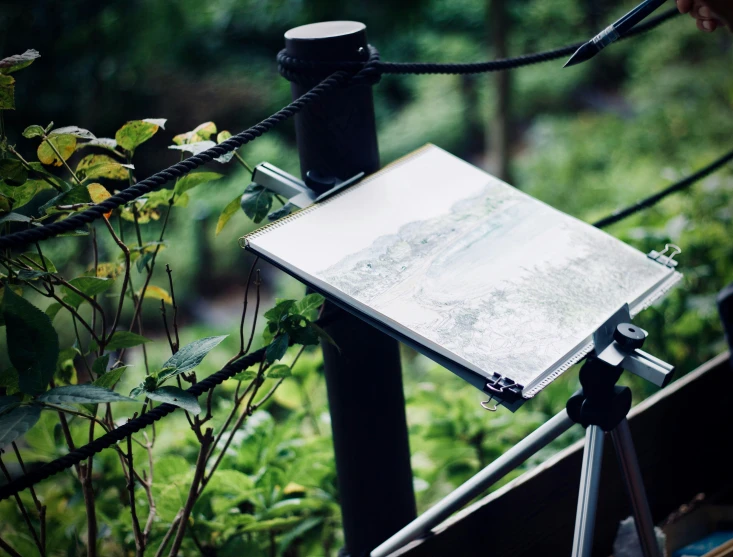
(631, 473)
(590, 477)
(507, 462)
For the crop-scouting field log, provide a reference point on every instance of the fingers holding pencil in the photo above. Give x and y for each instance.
(709, 14)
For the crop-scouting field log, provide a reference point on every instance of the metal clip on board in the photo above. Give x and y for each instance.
(299, 194)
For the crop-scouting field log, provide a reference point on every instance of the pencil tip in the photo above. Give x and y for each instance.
(581, 55)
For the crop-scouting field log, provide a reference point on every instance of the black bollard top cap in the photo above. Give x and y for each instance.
(629, 336)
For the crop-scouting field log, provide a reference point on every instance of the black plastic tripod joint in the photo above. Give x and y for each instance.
(601, 402)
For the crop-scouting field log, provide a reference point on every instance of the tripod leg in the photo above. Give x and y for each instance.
(507, 462)
(624, 446)
(590, 477)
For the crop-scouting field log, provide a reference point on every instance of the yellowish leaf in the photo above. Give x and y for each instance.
(109, 270)
(99, 193)
(158, 293)
(64, 144)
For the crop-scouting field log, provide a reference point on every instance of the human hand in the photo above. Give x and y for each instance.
(709, 14)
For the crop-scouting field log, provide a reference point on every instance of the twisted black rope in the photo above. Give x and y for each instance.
(178, 170)
(683, 184)
(303, 71)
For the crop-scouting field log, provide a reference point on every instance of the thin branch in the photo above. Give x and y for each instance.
(164, 316)
(168, 270)
(168, 535)
(139, 540)
(39, 507)
(193, 492)
(24, 512)
(53, 147)
(244, 308)
(6, 546)
(29, 168)
(125, 280)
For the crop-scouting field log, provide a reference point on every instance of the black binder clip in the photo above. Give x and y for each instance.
(299, 194)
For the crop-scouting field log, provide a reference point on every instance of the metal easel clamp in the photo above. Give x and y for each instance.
(299, 194)
(618, 343)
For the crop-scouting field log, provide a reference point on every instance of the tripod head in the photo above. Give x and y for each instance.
(617, 348)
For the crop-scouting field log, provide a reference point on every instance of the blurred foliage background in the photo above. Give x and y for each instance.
(586, 140)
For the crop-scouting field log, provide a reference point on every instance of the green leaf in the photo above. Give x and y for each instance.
(33, 131)
(6, 203)
(14, 217)
(13, 172)
(125, 339)
(190, 181)
(21, 195)
(9, 381)
(100, 366)
(171, 493)
(31, 275)
(92, 167)
(188, 357)
(228, 212)
(256, 202)
(274, 524)
(176, 397)
(279, 371)
(39, 170)
(300, 330)
(280, 311)
(309, 306)
(53, 310)
(91, 286)
(16, 422)
(277, 348)
(73, 130)
(270, 331)
(110, 379)
(246, 375)
(135, 133)
(200, 133)
(77, 194)
(323, 335)
(18, 61)
(47, 264)
(32, 343)
(7, 92)
(142, 261)
(64, 144)
(7, 403)
(81, 394)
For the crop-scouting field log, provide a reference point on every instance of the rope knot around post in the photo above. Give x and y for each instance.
(309, 72)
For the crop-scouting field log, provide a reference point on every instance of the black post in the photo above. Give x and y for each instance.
(725, 307)
(337, 137)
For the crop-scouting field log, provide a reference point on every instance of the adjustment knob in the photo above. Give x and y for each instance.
(629, 336)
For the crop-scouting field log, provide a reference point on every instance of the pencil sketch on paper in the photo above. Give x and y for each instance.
(500, 280)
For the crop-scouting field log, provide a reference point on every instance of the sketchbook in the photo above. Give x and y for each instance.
(491, 283)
